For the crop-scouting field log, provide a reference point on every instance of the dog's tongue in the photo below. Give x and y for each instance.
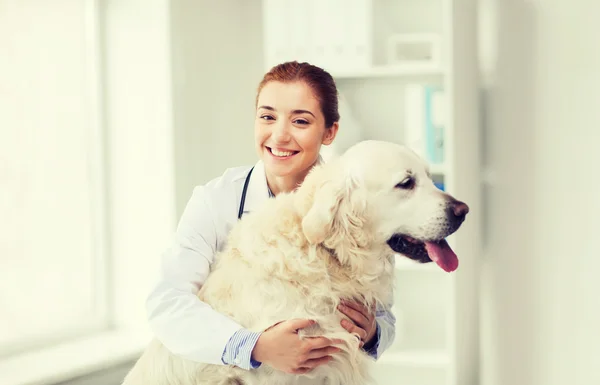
(442, 254)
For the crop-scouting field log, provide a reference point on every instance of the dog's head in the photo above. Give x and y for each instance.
(380, 194)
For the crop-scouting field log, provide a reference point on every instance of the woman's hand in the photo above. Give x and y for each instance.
(280, 347)
(363, 320)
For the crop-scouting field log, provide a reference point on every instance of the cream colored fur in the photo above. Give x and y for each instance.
(303, 252)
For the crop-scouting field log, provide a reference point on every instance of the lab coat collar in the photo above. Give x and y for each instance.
(258, 190)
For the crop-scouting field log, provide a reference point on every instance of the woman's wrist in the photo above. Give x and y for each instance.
(257, 354)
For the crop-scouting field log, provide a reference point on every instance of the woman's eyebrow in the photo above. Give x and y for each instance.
(294, 111)
(304, 112)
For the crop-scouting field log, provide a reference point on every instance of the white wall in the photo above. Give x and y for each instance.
(217, 65)
(540, 285)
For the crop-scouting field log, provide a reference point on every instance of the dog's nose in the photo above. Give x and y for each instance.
(459, 209)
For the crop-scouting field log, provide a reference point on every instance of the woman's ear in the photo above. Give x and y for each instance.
(330, 134)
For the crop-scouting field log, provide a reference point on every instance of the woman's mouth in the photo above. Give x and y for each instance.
(281, 153)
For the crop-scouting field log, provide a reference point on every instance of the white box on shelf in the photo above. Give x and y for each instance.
(414, 48)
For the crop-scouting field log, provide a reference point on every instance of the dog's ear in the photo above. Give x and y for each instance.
(337, 210)
(318, 222)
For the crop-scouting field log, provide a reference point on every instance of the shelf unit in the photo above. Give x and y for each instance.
(436, 332)
(390, 71)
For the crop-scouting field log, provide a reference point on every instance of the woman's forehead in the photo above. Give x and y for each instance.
(288, 96)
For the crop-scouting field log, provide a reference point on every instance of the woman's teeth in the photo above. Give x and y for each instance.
(281, 153)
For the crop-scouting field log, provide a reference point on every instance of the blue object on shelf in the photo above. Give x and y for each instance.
(434, 134)
(439, 185)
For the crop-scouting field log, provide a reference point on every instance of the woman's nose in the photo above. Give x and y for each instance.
(281, 131)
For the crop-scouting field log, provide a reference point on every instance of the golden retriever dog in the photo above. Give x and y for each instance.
(334, 238)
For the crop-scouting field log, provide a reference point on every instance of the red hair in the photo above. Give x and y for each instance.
(319, 80)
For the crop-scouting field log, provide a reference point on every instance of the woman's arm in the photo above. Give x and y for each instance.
(187, 326)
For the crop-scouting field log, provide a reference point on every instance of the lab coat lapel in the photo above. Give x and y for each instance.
(258, 191)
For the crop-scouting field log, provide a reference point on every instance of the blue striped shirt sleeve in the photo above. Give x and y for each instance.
(372, 350)
(377, 346)
(238, 350)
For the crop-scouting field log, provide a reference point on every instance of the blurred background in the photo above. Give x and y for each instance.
(111, 111)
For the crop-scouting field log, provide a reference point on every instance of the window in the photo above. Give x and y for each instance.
(87, 176)
(52, 280)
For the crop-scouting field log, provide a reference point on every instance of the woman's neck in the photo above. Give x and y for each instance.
(282, 184)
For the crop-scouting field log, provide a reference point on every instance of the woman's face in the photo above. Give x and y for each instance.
(289, 129)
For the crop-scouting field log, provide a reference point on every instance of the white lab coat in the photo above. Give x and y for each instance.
(185, 325)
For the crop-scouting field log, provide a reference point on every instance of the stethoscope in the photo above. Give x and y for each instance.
(243, 199)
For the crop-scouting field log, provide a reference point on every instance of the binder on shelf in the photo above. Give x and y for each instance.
(425, 121)
(333, 34)
(414, 48)
(277, 36)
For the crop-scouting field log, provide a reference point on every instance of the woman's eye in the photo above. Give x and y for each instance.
(267, 117)
(301, 121)
(406, 184)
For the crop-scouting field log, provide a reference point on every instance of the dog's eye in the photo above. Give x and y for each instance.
(407, 184)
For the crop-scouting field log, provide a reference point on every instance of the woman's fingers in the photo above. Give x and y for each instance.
(312, 343)
(323, 352)
(313, 363)
(353, 328)
(356, 316)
